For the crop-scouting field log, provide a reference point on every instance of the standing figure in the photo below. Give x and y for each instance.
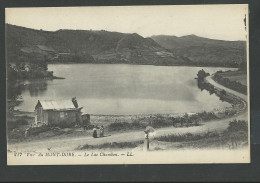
(102, 131)
(146, 140)
(95, 132)
(149, 132)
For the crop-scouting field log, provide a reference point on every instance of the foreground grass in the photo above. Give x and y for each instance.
(187, 137)
(235, 136)
(112, 145)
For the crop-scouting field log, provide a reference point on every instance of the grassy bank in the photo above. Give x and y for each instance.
(160, 121)
(235, 80)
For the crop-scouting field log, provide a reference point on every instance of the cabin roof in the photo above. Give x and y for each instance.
(56, 104)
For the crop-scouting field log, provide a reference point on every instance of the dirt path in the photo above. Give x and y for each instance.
(72, 143)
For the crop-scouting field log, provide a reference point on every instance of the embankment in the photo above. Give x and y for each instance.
(237, 100)
(232, 80)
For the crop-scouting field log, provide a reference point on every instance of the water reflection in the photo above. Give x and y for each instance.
(36, 87)
(123, 89)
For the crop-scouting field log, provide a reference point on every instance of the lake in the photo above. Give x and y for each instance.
(124, 89)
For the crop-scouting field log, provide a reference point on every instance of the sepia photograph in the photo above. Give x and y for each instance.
(157, 84)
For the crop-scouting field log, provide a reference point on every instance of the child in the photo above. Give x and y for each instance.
(102, 131)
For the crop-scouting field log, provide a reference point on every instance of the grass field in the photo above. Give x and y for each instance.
(239, 76)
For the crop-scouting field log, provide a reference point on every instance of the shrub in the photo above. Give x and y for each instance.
(160, 122)
(202, 74)
(36, 130)
(137, 124)
(238, 125)
(125, 125)
(206, 116)
(118, 125)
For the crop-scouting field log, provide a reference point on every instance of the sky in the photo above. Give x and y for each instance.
(224, 22)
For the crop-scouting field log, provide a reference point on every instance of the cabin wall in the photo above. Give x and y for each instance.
(45, 117)
(86, 119)
(61, 118)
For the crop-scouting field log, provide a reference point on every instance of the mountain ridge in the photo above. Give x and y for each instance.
(88, 46)
(193, 35)
(205, 51)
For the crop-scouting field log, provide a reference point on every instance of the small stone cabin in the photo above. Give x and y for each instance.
(58, 112)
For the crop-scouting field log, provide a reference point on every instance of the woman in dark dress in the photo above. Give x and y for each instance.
(95, 132)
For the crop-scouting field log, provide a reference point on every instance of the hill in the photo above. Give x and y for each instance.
(85, 46)
(204, 51)
(29, 46)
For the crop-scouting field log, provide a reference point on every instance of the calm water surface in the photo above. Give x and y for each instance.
(124, 89)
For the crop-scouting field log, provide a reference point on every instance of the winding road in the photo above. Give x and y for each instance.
(214, 83)
(69, 144)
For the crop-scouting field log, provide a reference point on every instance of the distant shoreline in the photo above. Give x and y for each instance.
(76, 63)
(231, 96)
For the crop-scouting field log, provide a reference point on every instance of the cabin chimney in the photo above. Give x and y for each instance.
(75, 102)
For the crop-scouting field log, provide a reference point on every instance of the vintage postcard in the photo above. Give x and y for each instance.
(164, 84)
